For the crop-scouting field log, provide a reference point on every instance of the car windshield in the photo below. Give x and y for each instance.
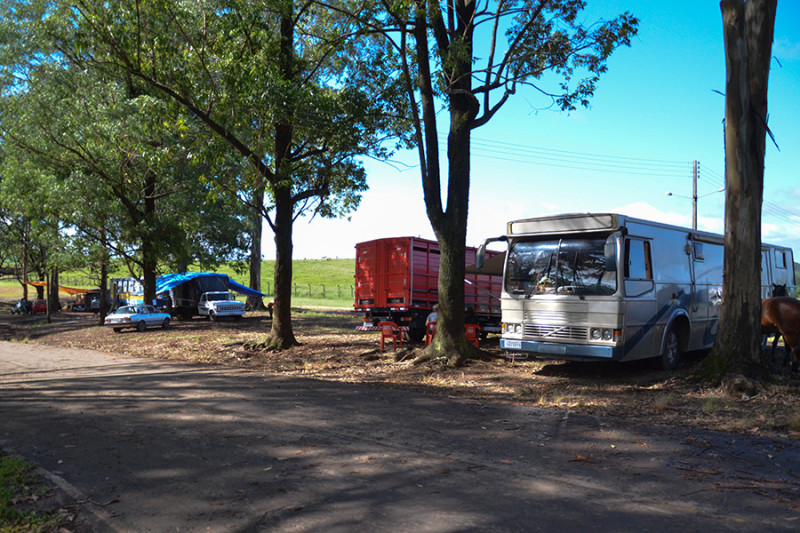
(559, 266)
(216, 296)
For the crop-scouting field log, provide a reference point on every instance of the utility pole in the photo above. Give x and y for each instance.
(695, 166)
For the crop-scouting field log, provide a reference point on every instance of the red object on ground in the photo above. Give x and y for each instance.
(390, 330)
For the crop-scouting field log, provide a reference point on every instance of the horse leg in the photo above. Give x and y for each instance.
(774, 346)
(792, 350)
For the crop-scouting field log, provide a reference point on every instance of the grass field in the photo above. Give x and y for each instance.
(318, 282)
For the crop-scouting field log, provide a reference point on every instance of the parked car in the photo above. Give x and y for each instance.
(39, 306)
(138, 317)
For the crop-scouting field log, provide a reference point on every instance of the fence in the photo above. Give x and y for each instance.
(324, 292)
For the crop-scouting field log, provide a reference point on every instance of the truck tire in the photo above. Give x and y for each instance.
(671, 356)
(212, 316)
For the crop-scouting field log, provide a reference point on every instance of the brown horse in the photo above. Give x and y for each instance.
(777, 290)
(781, 315)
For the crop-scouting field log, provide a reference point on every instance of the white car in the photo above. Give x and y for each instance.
(220, 304)
(138, 317)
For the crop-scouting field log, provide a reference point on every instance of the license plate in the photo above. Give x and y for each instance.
(513, 345)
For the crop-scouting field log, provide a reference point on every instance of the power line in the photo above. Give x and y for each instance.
(591, 162)
(767, 207)
(606, 163)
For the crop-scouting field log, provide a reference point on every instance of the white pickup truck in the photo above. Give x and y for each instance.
(220, 304)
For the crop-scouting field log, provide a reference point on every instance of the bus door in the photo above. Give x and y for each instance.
(641, 315)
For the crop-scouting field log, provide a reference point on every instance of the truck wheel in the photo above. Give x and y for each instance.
(141, 326)
(672, 350)
(212, 315)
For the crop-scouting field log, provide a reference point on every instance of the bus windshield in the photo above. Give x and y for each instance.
(573, 266)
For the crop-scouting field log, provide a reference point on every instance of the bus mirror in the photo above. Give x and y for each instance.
(610, 255)
(480, 256)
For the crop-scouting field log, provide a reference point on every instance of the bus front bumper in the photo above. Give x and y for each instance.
(557, 350)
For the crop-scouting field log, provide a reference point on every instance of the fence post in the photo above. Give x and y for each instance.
(323, 290)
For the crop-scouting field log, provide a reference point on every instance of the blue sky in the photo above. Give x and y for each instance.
(654, 112)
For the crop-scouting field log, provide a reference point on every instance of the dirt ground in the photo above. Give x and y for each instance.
(333, 350)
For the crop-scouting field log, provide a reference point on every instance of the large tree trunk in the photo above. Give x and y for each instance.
(103, 281)
(52, 293)
(255, 302)
(281, 332)
(282, 335)
(450, 226)
(25, 258)
(149, 251)
(748, 28)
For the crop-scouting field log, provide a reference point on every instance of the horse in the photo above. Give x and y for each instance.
(781, 315)
(777, 290)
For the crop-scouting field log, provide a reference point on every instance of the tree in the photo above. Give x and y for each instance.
(113, 168)
(458, 57)
(274, 84)
(748, 30)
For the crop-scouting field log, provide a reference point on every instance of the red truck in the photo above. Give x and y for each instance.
(397, 279)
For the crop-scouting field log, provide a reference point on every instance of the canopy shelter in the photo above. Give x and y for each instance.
(210, 281)
(68, 290)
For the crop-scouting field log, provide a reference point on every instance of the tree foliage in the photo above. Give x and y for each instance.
(290, 105)
(468, 58)
(106, 161)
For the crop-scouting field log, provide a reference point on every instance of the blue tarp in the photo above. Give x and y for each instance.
(170, 281)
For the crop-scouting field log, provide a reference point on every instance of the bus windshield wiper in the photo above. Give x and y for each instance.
(578, 284)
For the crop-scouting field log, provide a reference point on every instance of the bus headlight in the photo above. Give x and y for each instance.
(512, 329)
(606, 334)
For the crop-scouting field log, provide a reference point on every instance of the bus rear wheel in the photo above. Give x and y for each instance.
(671, 356)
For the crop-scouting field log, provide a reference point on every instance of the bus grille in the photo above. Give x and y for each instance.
(556, 332)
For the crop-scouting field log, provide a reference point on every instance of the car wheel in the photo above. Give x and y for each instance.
(141, 326)
(165, 323)
(672, 351)
(117, 330)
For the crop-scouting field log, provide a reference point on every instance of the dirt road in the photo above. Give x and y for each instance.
(146, 445)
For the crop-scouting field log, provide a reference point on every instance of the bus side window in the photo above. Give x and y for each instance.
(638, 262)
(780, 259)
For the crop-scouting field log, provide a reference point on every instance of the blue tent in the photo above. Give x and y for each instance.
(170, 281)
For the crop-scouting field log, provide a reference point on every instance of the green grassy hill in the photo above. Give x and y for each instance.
(318, 282)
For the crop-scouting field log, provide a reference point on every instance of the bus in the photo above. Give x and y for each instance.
(608, 287)
(126, 291)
